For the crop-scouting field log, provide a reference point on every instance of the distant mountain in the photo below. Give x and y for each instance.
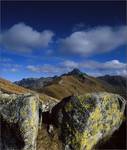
(118, 83)
(115, 80)
(75, 82)
(35, 83)
(72, 83)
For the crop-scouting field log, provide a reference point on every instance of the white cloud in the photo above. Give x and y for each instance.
(23, 38)
(46, 68)
(6, 65)
(70, 64)
(94, 41)
(32, 68)
(113, 67)
(13, 69)
(99, 68)
(112, 64)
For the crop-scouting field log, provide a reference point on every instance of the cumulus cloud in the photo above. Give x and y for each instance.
(23, 38)
(109, 65)
(114, 67)
(98, 68)
(94, 41)
(60, 68)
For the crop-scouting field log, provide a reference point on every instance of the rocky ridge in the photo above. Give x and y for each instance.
(75, 82)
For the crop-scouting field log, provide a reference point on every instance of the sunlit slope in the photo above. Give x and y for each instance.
(72, 85)
(8, 87)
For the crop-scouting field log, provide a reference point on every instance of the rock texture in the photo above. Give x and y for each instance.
(20, 117)
(79, 122)
(19, 121)
(84, 121)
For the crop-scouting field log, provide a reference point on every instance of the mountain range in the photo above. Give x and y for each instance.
(51, 90)
(75, 82)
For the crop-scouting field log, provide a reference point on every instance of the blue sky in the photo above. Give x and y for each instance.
(50, 38)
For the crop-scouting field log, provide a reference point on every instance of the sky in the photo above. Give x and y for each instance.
(50, 38)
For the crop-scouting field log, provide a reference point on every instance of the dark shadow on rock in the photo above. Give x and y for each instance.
(56, 108)
(10, 136)
(46, 117)
(118, 139)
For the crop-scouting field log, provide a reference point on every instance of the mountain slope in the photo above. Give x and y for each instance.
(75, 83)
(8, 87)
(34, 83)
(72, 83)
(118, 83)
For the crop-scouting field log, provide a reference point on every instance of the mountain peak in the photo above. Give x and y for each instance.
(75, 71)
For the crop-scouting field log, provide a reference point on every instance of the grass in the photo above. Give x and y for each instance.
(46, 141)
(70, 85)
(8, 87)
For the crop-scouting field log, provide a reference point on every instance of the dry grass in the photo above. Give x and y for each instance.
(46, 141)
(8, 87)
(70, 85)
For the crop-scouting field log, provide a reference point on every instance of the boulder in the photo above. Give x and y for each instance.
(19, 117)
(81, 122)
(84, 121)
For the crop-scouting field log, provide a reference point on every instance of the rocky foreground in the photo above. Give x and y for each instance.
(80, 122)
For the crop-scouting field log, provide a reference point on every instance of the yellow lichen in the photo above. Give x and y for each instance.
(96, 115)
(91, 136)
(69, 107)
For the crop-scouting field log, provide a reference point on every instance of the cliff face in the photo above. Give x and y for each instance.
(77, 122)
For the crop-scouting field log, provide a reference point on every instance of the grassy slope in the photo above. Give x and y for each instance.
(72, 85)
(8, 87)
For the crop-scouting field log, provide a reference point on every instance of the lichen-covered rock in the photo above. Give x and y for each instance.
(83, 121)
(19, 115)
